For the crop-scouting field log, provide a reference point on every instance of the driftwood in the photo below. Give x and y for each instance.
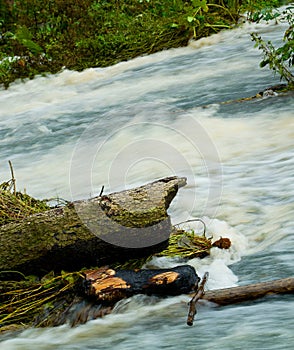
(234, 295)
(102, 230)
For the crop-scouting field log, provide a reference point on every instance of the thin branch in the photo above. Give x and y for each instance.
(102, 189)
(12, 177)
(192, 303)
(192, 220)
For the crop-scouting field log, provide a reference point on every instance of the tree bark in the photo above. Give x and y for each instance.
(234, 295)
(102, 230)
(108, 285)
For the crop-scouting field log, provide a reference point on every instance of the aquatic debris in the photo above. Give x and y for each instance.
(192, 303)
(187, 245)
(222, 243)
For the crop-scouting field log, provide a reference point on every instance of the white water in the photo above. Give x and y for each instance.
(71, 133)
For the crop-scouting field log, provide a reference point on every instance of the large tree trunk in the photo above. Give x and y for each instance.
(109, 228)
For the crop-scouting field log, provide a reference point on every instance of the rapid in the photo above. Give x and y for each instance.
(69, 134)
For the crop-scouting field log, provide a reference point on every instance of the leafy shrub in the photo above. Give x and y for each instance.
(280, 59)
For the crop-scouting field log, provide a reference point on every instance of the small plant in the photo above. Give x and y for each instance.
(280, 59)
(15, 205)
(258, 10)
(199, 19)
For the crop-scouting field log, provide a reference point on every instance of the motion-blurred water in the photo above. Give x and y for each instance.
(161, 115)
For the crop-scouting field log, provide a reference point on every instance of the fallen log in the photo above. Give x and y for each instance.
(228, 296)
(102, 230)
(108, 286)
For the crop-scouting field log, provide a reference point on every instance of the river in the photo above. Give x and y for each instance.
(69, 134)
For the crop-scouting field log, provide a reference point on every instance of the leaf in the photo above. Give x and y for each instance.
(200, 19)
(33, 47)
(24, 37)
(70, 279)
(200, 4)
(32, 278)
(22, 33)
(263, 63)
(190, 19)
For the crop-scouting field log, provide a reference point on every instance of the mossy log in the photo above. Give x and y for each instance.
(102, 230)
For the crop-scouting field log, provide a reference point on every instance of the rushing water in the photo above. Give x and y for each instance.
(161, 115)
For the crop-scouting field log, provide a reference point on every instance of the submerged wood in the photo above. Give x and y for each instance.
(116, 227)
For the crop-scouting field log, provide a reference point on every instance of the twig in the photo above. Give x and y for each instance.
(14, 272)
(192, 303)
(12, 177)
(102, 189)
(192, 220)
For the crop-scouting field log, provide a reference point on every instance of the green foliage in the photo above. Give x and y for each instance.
(234, 6)
(14, 207)
(200, 17)
(39, 36)
(24, 37)
(257, 10)
(279, 59)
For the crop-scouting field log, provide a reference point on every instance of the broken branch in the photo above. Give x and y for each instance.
(193, 301)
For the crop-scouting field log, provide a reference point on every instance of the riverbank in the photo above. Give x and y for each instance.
(44, 37)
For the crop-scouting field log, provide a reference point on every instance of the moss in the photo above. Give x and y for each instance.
(18, 205)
